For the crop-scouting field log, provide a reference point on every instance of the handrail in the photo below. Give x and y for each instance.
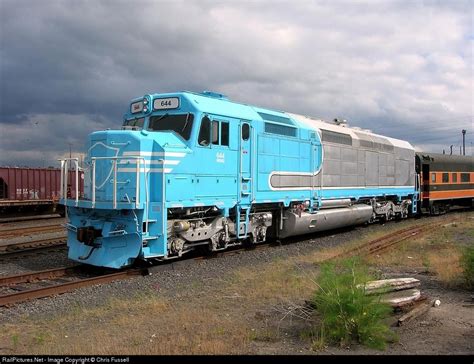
(93, 183)
(139, 162)
(61, 183)
(138, 182)
(64, 177)
(114, 191)
(114, 160)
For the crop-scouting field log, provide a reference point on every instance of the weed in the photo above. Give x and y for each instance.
(39, 338)
(347, 313)
(316, 336)
(265, 334)
(426, 263)
(319, 341)
(15, 340)
(467, 264)
(446, 265)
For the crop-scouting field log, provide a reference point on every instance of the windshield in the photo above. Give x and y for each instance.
(181, 124)
(133, 124)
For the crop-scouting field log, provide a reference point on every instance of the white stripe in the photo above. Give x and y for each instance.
(154, 154)
(147, 162)
(318, 188)
(167, 170)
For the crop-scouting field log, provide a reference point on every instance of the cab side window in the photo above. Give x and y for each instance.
(215, 132)
(225, 134)
(246, 131)
(205, 132)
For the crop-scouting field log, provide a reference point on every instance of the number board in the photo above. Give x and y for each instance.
(136, 107)
(168, 103)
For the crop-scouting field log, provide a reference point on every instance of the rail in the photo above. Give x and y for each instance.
(30, 247)
(58, 281)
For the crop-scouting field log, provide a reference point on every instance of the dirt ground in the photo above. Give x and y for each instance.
(447, 329)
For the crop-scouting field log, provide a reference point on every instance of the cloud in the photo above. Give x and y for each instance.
(43, 138)
(400, 68)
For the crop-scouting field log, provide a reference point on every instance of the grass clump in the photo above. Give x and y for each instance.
(347, 313)
(467, 264)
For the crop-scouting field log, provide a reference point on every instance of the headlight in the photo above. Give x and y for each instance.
(145, 109)
(145, 101)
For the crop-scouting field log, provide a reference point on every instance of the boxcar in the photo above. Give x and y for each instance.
(25, 191)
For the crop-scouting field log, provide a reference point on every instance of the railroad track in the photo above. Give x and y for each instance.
(31, 246)
(22, 231)
(9, 220)
(29, 286)
(62, 280)
(385, 242)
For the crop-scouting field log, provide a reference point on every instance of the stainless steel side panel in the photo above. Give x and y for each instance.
(329, 204)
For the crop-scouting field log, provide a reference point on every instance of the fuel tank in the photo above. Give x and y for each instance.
(306, 223)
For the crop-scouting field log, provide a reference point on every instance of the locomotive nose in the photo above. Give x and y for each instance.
(121, 217)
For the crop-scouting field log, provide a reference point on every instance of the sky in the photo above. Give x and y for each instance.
(403, 69)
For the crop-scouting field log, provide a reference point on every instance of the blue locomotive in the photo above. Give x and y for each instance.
(190, 170)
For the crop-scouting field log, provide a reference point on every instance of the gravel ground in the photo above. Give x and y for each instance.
(171, 278)
(443, 330)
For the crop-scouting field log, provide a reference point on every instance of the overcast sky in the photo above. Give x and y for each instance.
(401, 68)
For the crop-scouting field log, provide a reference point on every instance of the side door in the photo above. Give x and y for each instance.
(245, 162)
(316, 179)
(224, 157)
(425, 189)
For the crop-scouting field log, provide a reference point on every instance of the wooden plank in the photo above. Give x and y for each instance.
(416, 312)
(389, 285)
(401, 298)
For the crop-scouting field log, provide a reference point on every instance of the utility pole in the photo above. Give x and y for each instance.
(451, 147)
(464, 142)
(70, 155)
